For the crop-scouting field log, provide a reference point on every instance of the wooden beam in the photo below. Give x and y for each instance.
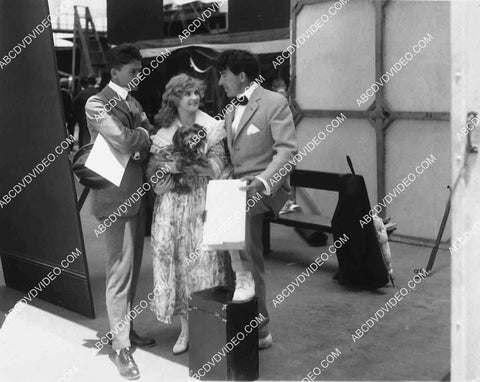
(293, 58)
(379, 101)
(421, 115)
(373, 114)
(412, 115)
(297, 7)
(312, 113)
(311, 2)
(379, 51)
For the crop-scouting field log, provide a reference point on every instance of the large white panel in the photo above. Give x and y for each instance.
(424, 83)
(473, 92)
(418, 210)
(353, 137)
(465, 80)
(337, 63)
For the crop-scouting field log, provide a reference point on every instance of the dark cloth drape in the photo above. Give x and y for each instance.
(360, 261)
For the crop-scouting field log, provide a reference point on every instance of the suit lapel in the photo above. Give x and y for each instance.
(252, 106)
(113, 97)
(228, 126)
(122, 106)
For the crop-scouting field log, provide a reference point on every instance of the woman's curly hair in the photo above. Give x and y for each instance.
(174, 91)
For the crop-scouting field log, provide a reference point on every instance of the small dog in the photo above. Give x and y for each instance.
(187, 155)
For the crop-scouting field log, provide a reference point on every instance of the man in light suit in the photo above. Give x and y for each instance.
(118, 117)
(261, 140)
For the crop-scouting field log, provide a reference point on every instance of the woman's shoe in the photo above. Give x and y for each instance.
(181, 346)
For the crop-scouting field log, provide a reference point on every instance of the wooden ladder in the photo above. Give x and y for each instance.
(85, 38)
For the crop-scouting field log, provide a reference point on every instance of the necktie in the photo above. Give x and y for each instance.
(132, 106)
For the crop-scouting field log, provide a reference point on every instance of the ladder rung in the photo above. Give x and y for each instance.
(88, 40)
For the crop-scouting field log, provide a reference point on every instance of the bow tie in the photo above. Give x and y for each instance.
(242, 100)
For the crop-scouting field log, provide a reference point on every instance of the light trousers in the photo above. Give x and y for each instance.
(124, 243)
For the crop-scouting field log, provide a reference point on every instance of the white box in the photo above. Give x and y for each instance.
(225, 210)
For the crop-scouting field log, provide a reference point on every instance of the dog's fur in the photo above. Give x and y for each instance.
(187, 155)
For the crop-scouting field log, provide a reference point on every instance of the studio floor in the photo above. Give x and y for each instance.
(411, 342)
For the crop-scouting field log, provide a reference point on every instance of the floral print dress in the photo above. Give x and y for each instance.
(177, 230)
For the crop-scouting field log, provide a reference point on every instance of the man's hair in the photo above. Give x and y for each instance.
(122, 55)
(239, 61)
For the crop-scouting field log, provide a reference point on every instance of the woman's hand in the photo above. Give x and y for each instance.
(164, 184)
(172, 167)
(203, 170)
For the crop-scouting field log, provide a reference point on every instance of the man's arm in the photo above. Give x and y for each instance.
(283, 132)
(141, 117)
(146, 124)
(119, 136)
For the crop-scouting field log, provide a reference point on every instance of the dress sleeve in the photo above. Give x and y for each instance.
(217, 158)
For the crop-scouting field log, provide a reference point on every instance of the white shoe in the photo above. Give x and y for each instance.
(265, 342)
(244, 287)
(181, 346)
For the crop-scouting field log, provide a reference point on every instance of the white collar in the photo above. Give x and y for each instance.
(199, 118)
(122, 92)
(248, 91)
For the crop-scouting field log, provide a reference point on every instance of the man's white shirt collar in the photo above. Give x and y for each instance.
(248, 92)
(122, 92)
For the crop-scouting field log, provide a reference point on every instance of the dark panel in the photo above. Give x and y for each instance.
(253, 15)
(129, 20)
(213, 322)
(40, 225)
(316, 179)
(18, 269)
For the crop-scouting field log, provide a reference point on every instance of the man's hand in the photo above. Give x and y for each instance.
(253, 186)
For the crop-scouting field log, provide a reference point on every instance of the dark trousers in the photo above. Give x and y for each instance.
(83, 134)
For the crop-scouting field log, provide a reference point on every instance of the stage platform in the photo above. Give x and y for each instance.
(411, 342)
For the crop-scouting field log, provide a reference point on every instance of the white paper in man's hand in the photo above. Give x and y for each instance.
(225, 214)
(106, 161)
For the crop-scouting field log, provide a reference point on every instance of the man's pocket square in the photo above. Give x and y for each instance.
(252, 129)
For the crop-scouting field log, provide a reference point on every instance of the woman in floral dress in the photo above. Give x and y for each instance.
(178, 213)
